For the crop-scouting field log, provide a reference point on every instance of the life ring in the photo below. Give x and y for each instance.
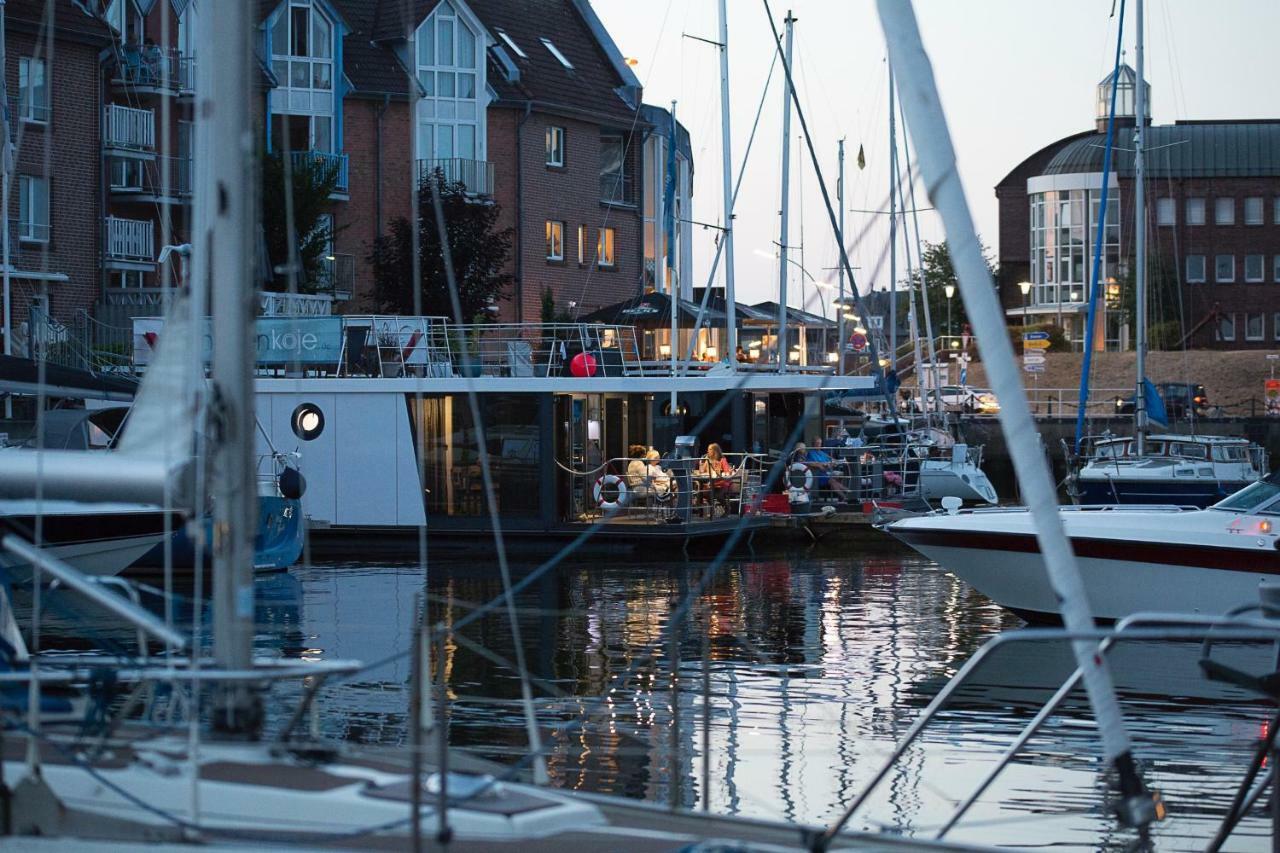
(601, 492)
(795, 469)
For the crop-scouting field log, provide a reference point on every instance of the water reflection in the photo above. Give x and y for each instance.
(816, 664)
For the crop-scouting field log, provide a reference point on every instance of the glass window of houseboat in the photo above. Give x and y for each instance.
(1189, 451)
(1229, 453)
(1110, 451)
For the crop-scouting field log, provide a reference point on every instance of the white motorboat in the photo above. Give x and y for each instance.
(1132, 559)
(1192, 470)
(98, 539)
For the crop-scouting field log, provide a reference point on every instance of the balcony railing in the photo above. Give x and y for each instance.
(130, 239)
(337, 276)
(326, 161)
(617, 188)
(475, 175)
(154, 68)
(128, 128)
(179, 177)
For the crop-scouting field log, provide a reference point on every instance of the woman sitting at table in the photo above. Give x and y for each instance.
(716, 474)
(637, 470)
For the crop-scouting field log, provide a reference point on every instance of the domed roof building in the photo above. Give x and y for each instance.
(1213, 213)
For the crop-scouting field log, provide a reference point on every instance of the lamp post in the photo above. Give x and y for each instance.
(1025, 287)
(950, 291)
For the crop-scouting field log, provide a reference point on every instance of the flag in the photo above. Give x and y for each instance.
(862, 158)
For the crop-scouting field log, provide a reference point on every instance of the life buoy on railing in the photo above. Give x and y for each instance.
(610, 492)
(800, 476)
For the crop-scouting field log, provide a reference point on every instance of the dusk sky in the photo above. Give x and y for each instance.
(1015, 75)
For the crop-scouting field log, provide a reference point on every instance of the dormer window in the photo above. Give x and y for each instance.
(302, 61)
(502, 34)
(450, 72)
(568, 66)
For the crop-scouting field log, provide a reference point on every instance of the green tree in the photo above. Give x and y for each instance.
(311, 182)
(936, 273)
(479, 250)
(1164, 307)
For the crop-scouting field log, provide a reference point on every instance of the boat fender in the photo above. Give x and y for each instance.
(610, 492)
(292, 484)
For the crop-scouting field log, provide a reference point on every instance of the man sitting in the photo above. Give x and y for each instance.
(822, 466)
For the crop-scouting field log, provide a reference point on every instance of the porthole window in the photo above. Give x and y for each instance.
(307, 421)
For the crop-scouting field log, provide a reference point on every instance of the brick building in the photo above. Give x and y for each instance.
(1213, 226)
(55, 212)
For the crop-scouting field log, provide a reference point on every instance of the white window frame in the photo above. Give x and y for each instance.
(1262, 269)
(1256, 216)
(1222, 213)
(502, 34)
(1166, 211)
(607, 248)
(446, 116)
(555, 240)
(1204, 267)
(33, 230)
(1220, 328)
(555, 146)
(555, 51)
(309, 99)
(28, 110)
(132, 167)
(1217, 278)
(1196, 211)
(1262, 327)
(582, 245)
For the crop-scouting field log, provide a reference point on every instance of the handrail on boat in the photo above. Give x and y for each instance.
(1175, 627)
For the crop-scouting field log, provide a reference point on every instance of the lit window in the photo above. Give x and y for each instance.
(582, 245)
(1254, 327)
(557, 54)
(555, 241)
(33, 92)
(604, 248)
(1195, 268)
(1253, 267)
(1253, 211)
(1195, 211)
(1224, 268)
(555, 146)
(33, 209)
(1224, 211)
(1226, 327)
(506, 38)
(1166, 211)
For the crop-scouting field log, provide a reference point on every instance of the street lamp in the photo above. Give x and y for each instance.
(950, 291)
(1025, 287)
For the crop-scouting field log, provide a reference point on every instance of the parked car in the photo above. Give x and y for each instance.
(962, 398)
(1181, 399)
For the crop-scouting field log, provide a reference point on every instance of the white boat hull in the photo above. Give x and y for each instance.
(950, 479)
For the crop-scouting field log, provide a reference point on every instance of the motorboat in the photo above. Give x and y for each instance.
(1190, 470)
(98, 539)
(1132, 559)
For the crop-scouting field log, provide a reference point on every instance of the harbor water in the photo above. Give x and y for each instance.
(812, 666)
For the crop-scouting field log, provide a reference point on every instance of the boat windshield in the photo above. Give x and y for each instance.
(1258, 497)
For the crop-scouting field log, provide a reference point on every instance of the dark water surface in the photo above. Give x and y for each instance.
(818, 663)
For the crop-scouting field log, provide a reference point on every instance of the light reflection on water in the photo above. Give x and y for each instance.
(818, 664)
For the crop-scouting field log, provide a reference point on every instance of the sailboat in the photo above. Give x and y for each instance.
(1150, 468)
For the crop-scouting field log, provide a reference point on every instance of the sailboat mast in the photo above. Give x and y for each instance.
(226, 193)
(726, 158)
(840, 307)
(786, 198)
(893, 232)
(1140, 241)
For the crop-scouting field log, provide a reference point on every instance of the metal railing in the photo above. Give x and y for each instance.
(337, 276)
(179, 179)
(475, 175)
(324, 161)
(130, 239)
(617, 188)
(128, 128)
(685, 490)
(151, 67)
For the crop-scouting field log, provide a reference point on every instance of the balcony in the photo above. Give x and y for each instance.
(127, 131)
(475, 175)
(151, 70)
(325, 161)
(337, 276)
(130, 243)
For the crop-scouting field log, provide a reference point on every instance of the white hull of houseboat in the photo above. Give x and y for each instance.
(1130, 560)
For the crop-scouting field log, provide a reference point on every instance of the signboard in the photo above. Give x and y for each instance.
(1033, 368)
(858, 341)
(1035, 336)
(1034, 358)
(1272, 395)
(278, 340)
(1035, 343)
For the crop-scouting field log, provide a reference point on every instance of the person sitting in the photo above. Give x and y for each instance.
(822, 466)
(741, 355)
(718, 472)
(658, 478)
(637, 471)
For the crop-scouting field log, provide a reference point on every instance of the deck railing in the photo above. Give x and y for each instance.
(326, 161)
(475, 175)
(130, 239)
(128, 128)
(153, 68)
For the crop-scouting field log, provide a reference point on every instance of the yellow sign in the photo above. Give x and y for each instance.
(1035, 344)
